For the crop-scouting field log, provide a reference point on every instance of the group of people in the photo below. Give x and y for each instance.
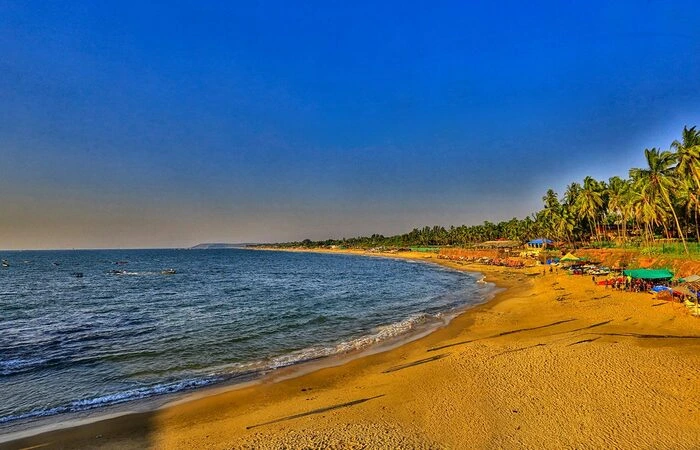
(626, 284)
(630, 284)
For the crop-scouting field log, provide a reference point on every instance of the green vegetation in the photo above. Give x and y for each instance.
(656, 210)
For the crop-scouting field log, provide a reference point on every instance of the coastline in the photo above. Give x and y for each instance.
(28, 429)
(544, 363)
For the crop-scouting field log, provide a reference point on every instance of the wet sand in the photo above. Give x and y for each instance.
(553, 361)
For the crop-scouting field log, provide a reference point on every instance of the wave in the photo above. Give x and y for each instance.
(229, 372)
(212, 375)
(137, 332)
(112, 399)
(379, 335)
(19, 365)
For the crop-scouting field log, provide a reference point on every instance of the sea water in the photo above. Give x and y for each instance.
(82, 330)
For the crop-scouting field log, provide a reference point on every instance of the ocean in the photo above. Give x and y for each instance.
(85, 330)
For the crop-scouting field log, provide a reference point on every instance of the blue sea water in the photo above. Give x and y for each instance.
(125, 331)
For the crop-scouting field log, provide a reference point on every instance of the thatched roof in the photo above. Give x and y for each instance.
(684, 290)
(499, 244)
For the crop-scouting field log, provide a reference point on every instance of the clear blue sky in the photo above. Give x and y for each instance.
(127, 124)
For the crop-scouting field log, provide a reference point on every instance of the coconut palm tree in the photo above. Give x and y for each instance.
(589, 204)
(688, 156)
(656, 183)
(617, 194)
(694, 199)
(571, 194)
(549, 216)
(685, 197)
(564, 225)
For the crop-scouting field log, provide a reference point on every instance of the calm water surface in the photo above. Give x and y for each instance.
(126, 331)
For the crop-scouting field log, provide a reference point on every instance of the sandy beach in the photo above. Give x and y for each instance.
(553, 361)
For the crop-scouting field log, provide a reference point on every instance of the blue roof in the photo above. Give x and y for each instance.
(540, 241)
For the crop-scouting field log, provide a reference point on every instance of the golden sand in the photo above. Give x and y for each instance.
(552, 362)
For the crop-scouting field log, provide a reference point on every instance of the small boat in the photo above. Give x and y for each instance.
(168, 272)
(5, 263)
(77, 274)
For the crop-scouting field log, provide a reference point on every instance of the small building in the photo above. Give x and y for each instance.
(501, 243)
(539, 243)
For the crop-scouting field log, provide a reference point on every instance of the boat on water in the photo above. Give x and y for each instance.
(5, 263)
(168, 272)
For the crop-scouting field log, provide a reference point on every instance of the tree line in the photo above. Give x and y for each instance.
(658, 201)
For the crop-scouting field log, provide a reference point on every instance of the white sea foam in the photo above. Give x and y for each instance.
(379, 335)
(113, 399)
(16, 365)
(208, 324)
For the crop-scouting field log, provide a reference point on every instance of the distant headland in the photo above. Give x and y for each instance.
(218, 245)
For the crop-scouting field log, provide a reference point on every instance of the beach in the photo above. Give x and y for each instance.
(553, 361)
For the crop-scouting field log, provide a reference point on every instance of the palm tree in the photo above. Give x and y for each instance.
(571, 194)
(564, 224)
(550, 214)
(688, 156)
(657, 182)
(694, 199)
(685, 196)
(617, 194)
(589, 203)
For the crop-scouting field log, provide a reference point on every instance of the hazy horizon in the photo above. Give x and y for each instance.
(165, 126)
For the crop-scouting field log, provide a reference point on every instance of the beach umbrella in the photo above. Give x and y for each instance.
(691, 278)
(660, 288)
(569, 257)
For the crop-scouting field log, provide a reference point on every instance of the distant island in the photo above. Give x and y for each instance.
(218, 245)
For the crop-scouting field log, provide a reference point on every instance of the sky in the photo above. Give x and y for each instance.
(165, 124)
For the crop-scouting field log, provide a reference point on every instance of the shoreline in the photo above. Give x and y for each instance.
(334, 401)
(67, 421)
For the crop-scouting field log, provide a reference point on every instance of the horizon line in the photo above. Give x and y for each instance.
(128, 248)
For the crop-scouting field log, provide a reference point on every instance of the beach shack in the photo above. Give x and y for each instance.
(649, 274)
(539, 243)
(690, 290)
(647, 280)
(498, 244)
(503, 247)
(691, 279)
